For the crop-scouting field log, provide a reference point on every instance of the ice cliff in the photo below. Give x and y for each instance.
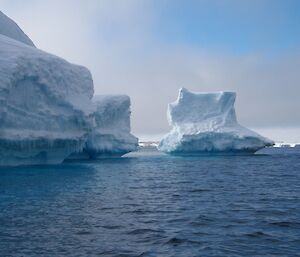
(111, 133)
(207, 123)
(46, 108)
(45, 105)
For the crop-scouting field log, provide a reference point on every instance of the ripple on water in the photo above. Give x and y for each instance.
(153, 206)
(144, 231)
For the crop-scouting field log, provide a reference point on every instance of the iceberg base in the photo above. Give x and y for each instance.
(41, 151)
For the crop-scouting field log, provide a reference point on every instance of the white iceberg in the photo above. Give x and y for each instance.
(207, 123)
(45, 105)
(111, 133)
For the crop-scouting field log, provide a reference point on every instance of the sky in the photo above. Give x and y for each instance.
(148, 49)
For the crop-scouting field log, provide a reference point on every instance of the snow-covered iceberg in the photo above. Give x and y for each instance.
(45, 103)
(207, 123)
(46, 107)
(111, 133)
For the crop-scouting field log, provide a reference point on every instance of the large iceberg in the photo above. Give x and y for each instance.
(111, 133)
(45, 102)
(207, 123)
(46, 107)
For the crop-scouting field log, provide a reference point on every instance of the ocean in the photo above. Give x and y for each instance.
(151, 204)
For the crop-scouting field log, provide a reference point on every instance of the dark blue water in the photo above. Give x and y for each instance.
(152, 205)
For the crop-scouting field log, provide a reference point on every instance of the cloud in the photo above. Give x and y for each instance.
(118, 41)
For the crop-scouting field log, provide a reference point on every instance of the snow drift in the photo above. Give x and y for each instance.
(111, 133)
(207, 123)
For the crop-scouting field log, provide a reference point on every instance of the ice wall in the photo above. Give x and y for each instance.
(206, 122)
(111, 133)
(45, 106)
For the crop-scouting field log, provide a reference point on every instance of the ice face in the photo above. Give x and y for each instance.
(206, 122)
(10, 29)
(45, 105)
(209, 110)
(111, 133)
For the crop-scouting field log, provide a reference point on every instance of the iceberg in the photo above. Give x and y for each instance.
(110, 136)
(45, 105)
(207, 123)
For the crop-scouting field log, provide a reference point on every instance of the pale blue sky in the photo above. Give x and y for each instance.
(237, 26)
(149, 49)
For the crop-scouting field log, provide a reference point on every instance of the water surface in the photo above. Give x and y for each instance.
(149, 204)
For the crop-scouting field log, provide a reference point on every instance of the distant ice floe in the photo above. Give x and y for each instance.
(286, 145)
(207, 123)
(281, 149)
(148, 144)
(276, 149)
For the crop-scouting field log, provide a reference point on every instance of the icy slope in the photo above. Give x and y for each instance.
(45, 106)
(111, 133)
(10, 29)
(206, 122)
